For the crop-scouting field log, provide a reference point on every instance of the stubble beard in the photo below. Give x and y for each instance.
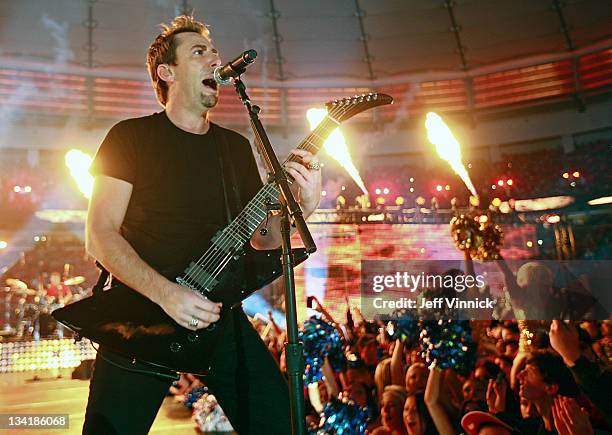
(210, 101)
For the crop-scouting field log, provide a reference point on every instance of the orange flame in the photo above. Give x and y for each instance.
(447, 147)
(79, 162)
(336, 147)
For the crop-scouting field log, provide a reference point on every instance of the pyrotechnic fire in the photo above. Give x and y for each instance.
(448, 147)
(79, 162)
(336, 147)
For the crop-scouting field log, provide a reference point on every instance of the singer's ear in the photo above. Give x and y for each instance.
(164, 72)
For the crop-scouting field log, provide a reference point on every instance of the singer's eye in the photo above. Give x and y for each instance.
(198, 51)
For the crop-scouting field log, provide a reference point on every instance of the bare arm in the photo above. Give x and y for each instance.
(397, 363)
(432, 400)
(515, 292)
(330, 379)
(472, 291)
(325, 314)
(107, 208)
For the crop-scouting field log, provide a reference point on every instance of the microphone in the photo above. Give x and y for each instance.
(223, 75)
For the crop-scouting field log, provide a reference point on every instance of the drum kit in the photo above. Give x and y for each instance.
(27, 312)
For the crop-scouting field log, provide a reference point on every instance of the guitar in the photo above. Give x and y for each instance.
(126, 322)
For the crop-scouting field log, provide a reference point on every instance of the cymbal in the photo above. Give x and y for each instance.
(13, 282)
(75, 280)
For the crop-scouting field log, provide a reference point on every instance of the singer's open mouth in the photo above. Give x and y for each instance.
(210, 83)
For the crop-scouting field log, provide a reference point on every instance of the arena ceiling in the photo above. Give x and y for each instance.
(331, 44)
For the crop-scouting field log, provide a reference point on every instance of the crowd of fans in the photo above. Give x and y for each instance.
(558, 382)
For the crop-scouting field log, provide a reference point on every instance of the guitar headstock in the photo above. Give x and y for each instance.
(341, 110)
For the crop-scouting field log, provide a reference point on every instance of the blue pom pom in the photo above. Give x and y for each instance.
(449, 343)
(193, 396)
(343, 418)
(403, 325)
(320, 339)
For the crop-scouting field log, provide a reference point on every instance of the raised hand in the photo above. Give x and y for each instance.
(564, 339)
(569, 418)
(496, 395)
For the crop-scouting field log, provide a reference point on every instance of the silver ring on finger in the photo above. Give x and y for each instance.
(314, 166)
(193, 322)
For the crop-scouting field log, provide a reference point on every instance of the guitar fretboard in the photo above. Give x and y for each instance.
(201, 275)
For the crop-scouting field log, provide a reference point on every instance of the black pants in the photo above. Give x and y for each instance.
(244, 378)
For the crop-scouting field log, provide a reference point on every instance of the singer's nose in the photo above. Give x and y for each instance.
(216, 62)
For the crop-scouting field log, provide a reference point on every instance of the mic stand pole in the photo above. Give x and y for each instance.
(289, 209)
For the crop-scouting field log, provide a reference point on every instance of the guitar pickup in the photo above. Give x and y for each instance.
(197, 278)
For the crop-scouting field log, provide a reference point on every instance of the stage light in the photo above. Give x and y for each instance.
(324, 193)
(553, 219)
(573, 184)
(36, 239)
(540, 242)
(566, 175)
(601, 201)
(493, 186)
(483, 218)
(496, 202)
(411, 189)
(399, 200)
(343, 188)
(510, 182)
(78, 163)
(385, 190)
(27, 189)
(529, 244)
(439, 188)
(380, 200)
(474, 200)
(576, 174)
(17, 189)
(377, 191)
(500, 183)
(3, 244)
(412, 179)
(447, 187)
(420, 200)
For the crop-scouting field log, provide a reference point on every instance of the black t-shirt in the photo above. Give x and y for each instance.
(177, 201)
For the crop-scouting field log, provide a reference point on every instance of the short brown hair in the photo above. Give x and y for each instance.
(554, 371)
(163, 49)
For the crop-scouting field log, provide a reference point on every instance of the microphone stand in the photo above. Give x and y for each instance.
(289, 208)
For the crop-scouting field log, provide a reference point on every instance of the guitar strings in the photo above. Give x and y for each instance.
(222, 244)
(224, 241)
(241, 224)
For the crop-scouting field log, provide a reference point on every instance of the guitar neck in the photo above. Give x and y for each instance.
(244, 225)
(201, 274)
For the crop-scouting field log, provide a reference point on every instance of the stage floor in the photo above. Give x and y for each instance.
(49, 395)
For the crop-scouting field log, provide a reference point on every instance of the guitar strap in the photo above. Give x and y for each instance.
(231, 195)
